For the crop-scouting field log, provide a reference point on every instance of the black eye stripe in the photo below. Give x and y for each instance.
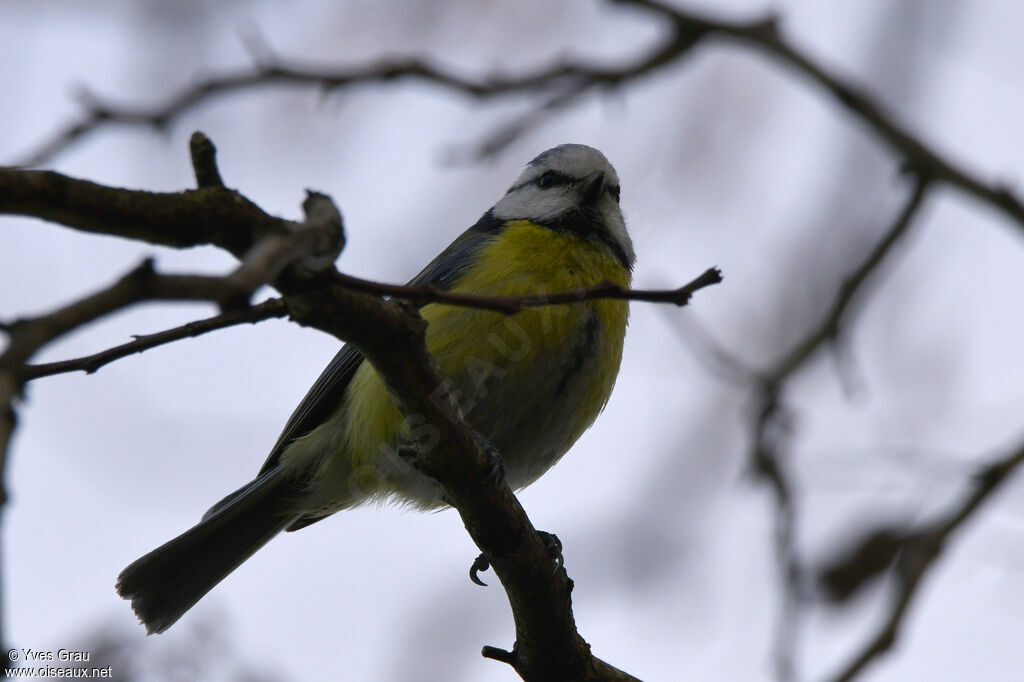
(551, 178)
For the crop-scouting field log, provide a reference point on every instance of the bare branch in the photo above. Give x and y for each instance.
(27, 336)
(917, 157)
(567, 77)
(141, 284)
(830, 327)
(276, 308)
(91, 363)
(770, 427)
(510, 305)
(920, 552)
(207, 216)
(218, 216)
(204, 161)
(312, 245)
(297, 259)
(561, 84)
(505, 135)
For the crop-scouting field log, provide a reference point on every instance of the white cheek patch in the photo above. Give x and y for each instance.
(527, 201)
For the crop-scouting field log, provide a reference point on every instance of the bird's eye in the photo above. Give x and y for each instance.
(547, 180)
(614, 191)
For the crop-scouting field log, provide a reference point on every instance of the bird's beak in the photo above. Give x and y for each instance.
(592, 188)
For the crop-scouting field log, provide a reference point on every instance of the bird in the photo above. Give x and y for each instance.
(529, 384)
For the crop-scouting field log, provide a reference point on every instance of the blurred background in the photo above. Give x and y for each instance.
(726, 159)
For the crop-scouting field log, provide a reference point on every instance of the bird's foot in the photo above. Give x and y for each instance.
(551, 543)
(554, 547)
(480, 564)
(496, 473)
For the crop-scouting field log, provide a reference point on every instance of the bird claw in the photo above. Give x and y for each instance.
(551, 543)
(480, 564)
(554, 548)
(496, 473)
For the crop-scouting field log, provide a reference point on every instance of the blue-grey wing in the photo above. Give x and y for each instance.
(328, 391)
(326, 394)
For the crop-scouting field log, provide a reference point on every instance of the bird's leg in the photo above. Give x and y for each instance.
(554, 547)
(496, 466)
(496, 474)
(411, 454)
(551, 543)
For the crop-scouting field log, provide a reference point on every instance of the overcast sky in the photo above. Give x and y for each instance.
(725, 160)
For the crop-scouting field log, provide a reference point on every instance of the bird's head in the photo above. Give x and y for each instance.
(571, 187)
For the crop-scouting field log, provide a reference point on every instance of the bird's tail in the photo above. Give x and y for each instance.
(167, 582)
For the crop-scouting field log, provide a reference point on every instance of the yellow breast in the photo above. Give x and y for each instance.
(531, 382)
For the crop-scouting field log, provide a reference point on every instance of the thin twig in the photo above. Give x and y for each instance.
(204, 161)
(560, 84)
(27, 336)
(391, 336)
(764, 34)
(97, 208)
(920, 554)
(276, 308)
(513, 304)
(770, 429)
(573, 77)
(830, 327)
(141, 284)
(91, 363)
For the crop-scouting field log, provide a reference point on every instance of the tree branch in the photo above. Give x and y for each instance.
(770, 431)
(297, 259)
(268, 245)
(27, 336)
(178, 219)
(918, 552)
(219, 216)
(91, 363)
(567, 81)
(507, 305)
(570, 78)
(142, 283)
(263, 244)
(764, 35)
(829, 328)
(510, 305)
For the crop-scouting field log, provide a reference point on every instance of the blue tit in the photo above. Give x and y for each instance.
(530, 384)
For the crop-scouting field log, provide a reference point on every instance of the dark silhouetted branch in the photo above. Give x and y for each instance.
(559, 84)
(214, 214)
(143, 342)
(147, 216)
(764, 34)
(770, 428)
(266, 246)
(918, 552)
(566, 77)
(297, 260)
(828, 330)
(27, 336)
(204, 161)
(510, 305)
(507, 305)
